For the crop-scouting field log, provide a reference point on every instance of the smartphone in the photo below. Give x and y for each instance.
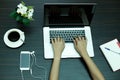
(25, 60)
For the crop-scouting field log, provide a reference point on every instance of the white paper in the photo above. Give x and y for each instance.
(111, 51)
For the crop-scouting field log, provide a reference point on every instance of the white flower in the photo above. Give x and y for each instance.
(25, 11)
(22, 9)
(30, 13)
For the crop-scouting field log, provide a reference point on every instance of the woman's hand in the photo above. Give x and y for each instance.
(58, 45)
(80, 44)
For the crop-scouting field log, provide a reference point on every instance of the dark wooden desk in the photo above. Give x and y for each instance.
(105, 26)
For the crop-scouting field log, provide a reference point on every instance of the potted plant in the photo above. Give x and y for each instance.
(23, 13)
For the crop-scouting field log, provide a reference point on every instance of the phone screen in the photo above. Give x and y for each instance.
(24, 60)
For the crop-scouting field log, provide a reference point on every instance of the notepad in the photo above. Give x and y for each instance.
(111, 51)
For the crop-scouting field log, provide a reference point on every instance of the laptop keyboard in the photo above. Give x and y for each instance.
(67, 35)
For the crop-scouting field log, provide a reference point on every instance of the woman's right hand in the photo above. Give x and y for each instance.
(80, 45)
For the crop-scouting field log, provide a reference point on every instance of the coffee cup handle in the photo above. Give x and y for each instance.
(22, 33)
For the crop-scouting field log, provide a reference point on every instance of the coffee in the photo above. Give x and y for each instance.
(14, 36)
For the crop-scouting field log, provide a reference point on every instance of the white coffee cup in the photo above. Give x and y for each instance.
(14, 38)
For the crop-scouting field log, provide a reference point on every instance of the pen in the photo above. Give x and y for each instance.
(111, 50)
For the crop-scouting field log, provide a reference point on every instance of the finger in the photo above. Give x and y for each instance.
(61, 39)
(82, 38)
(55, 39)
(75, 43)
(79, 37)
(85, 38)
(73, 38)
(58, 38)
(52, 41)
(76, 39)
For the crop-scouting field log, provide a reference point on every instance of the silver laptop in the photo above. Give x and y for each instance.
(67, 20)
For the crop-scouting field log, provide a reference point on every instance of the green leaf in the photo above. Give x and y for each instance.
(30, 7)
(22, 3)
(18, 18)
(13, 14)
(26, 21)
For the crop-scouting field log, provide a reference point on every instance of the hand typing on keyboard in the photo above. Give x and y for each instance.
(80, 44)
(58, 46)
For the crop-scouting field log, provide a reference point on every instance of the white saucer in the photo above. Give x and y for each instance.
(17, 43)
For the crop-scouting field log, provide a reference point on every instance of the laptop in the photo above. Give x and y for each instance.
(67, 20)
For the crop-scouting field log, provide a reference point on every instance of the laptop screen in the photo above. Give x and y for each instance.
(68, 13)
